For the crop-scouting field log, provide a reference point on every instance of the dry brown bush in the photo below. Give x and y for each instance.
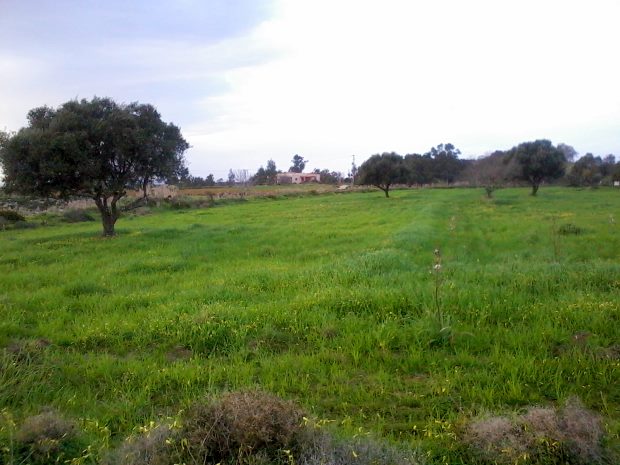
(27, 350)
(154, 447)
(321, 448)
(583, 431)
(495, 437)
(252, 428)
(572, 434)
(46, 438)
(240, 427)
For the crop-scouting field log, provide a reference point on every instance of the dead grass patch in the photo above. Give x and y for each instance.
(571, 434)
(47, 438)
(241, 425)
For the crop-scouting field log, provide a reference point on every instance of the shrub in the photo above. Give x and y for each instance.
(569, 228)
(252, 428)
(180, 203)
(12, 216)
(77, 216)
(27, 350)
(47, 438)
(241, 425)
(571, 434)
(153, 447)
(24, 225)
(323, 449)
(496, 438)
(582, 432)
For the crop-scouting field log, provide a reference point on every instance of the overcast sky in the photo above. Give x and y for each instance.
(253, 80)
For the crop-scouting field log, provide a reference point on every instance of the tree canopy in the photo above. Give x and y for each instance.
(266, 175)
(97, 149)
(298, 164)
(538, 161)
(490, 171)
(445, 165)
(382, 171)
(592, 171)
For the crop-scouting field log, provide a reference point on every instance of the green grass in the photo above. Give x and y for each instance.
(327, 300)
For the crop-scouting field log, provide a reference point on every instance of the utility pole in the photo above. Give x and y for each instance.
(353, 169)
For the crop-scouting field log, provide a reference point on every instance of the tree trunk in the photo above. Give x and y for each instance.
(385, 189)
(108, 224)
(535, 187)
(145, 185)
(109, 213)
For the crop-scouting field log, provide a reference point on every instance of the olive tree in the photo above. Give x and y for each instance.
(382, 171)
(97, 149)
(538, 161)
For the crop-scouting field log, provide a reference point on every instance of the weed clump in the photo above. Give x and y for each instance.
(47, 438)
(252, 428)
(154, 447)
(12, 219)
(12, 216)
(27, 350)
(569, 228)
(321, 448)
(239, 425)
(77, 216)
(572, 434)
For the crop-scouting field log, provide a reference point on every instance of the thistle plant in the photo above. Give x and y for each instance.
(437, 278)
(555, 240)
(442, 330)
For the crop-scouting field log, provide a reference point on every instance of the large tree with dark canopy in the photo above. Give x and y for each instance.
(538, 161)
(587, 171)
(266, 175)
(97, 149)
(445, 165)
(298, 164)
(382, 171)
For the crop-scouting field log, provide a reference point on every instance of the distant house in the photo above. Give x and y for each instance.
(297, 178)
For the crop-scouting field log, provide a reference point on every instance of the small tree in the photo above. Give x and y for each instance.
(538, 161)
(231, 177)
(489, 172)
(569, 152)
(615, 172)
(97, 149)
(587, 171)
(271, 172)
(4, 138)
(328, 177)
(266, 175)
(382, 171)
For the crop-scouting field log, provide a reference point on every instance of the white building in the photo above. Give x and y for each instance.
(297, 178)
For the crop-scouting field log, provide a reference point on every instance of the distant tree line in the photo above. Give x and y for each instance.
(265, 175)
(532, 163)
(440, 164)
(592, 171)
(537, 162)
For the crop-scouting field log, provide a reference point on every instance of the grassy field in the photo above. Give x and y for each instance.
(329, 300)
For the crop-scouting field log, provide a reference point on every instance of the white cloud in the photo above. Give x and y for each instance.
(328, 79)
(361, 77)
